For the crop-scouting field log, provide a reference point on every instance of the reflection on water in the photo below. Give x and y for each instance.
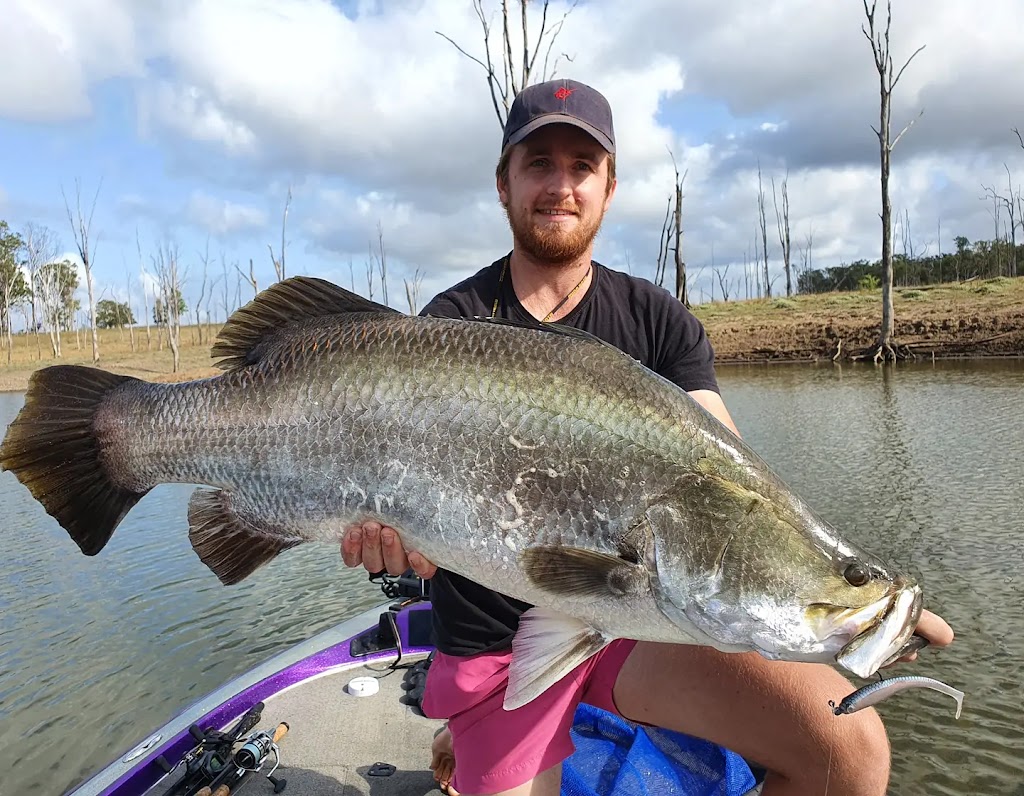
(924, 466)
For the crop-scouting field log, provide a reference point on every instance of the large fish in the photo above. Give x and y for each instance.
(537, 461)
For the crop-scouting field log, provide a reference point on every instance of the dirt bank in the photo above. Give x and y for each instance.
(971, 319)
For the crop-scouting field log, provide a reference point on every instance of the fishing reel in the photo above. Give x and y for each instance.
(257, 748)
(213, 769)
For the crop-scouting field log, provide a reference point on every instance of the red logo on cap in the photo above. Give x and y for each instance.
(563, 93)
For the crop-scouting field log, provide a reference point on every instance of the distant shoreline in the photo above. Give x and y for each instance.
(978, 320)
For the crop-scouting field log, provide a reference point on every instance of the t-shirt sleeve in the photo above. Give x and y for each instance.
(442, 306)
(685, 355)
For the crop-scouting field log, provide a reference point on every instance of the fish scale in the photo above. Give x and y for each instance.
(534, 460)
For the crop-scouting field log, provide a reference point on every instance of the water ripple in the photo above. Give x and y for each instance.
(923, 466)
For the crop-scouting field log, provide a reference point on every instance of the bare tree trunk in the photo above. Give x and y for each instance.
(383, 263)
(40, 249)
(279, 263)
(514, 76)
(782, 222)
(145, 291)
(886, 349)
(131, 326)
(251, 278)
(226, 287)
(663, 244)
(81, 229)
(412, 291)
(763, 221)
(170, 289)
(677, 215)
(205, 260)
(723, 283)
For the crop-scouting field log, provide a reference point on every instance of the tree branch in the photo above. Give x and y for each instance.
(910, 124)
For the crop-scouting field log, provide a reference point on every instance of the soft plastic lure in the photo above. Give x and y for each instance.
(876, 692)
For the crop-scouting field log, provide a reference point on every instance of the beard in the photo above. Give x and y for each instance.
(552, 245)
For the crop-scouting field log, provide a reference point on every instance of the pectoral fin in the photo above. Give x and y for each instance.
(577, 572)
(547, 646)
(232, 546)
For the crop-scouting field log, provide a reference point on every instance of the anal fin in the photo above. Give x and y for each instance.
(547, 646)
(232, 547)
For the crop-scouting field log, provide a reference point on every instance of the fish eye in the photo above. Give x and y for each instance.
(857, 574)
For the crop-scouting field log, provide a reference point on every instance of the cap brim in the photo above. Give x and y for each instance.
(561, 118)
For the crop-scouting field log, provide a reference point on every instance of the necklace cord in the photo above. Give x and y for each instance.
(556, 308)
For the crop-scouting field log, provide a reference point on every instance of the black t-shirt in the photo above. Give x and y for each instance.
(630, 313)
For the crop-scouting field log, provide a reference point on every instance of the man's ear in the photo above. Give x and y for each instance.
(502, 187)
(611, 193)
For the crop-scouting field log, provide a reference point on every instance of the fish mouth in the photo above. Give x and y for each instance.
(888, 637)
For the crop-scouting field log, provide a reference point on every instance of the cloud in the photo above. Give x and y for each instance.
(52, 53)
(222, 217)
(374, 118)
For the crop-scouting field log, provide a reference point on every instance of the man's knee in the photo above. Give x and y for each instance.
(861, 757)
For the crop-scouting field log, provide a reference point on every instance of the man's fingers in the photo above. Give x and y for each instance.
(934, 628)
(395, 560)
(373, 557)
(421, 566)
(352, 546)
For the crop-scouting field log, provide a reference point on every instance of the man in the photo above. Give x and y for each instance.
(555, 179)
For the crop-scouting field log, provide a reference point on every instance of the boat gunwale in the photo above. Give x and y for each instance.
(325, 653)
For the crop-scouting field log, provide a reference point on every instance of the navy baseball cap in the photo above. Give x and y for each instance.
(564, 102)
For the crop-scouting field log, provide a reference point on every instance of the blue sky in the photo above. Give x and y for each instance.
(198, 119)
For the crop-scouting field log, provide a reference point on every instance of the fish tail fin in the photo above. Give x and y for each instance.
(53, 449)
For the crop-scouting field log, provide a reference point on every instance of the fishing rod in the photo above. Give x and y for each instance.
(214, 768)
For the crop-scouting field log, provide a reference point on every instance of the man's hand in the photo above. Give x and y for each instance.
(933, 628)
(377, 547)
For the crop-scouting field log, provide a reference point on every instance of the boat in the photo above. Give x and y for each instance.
(339, 714)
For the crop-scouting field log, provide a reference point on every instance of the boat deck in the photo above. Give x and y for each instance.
(335, 738)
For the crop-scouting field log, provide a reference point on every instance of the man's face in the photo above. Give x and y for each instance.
(556, 193)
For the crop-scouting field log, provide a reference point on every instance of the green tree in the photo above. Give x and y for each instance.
(160, 317)
(55, 287)
(13, 287)
(113, 314)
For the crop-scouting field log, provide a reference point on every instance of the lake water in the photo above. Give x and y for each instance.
(924, 465)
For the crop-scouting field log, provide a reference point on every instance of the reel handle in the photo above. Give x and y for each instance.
(280, 731)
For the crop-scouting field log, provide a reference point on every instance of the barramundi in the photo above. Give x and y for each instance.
(535, 460)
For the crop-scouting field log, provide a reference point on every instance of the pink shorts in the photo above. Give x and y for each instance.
(497, 749)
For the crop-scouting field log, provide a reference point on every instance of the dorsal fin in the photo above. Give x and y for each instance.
(297, 298)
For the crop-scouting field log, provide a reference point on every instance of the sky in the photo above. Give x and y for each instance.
(190, 121)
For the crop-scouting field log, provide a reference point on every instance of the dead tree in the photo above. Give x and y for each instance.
(225, 287)
(251, 278)
(279, 263)
(40, 248)
(382, 263)
(412, 291)
(166, 267)
(886, 348)
(518, 70)
(782, 222)
(145, 291)
(723, 282)
(1012, 203)
(677, 250)
(81, 227)
(205, 260)
(131, 326)
(997, 202)
(663, 244)
(762, 219)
